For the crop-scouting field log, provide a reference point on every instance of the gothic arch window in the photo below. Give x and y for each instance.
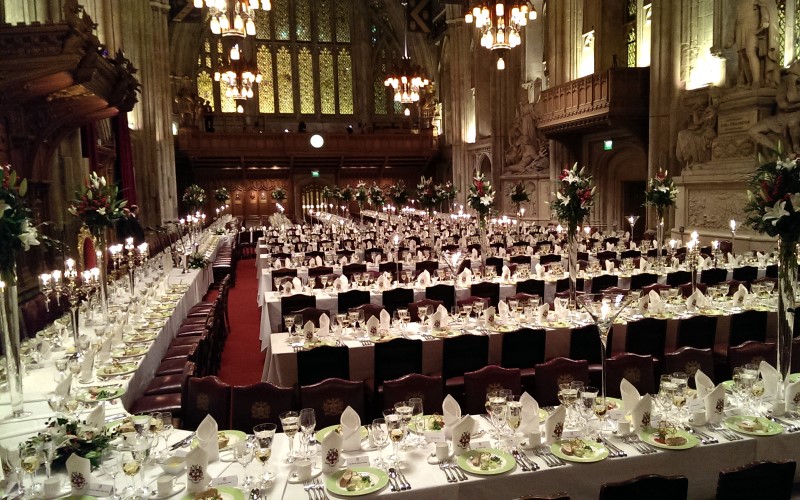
(384, 54)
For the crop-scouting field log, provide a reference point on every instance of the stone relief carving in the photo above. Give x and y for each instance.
(730, 148)
(713, 209)
(531, 187)
(694, 142)
(528, 148)
(755, 38)
(785, 124)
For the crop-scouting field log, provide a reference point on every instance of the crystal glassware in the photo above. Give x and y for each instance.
(264, 434)
(290, 421)
(380, 436)
(308, 422)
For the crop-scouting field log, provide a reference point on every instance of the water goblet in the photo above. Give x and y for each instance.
(404, 410)
(418, 419)
(380, 436)
(111, 463)
(243, 453)
(288, 320)
(264, 435)
(422, 312)
(290, 421)
(588, 396)
(308, 422)
(30, 459)
(140, 449)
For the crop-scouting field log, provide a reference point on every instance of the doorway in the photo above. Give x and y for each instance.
(633, 204)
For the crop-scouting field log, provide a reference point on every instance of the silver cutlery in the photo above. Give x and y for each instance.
(727, 434)
(614, 450)
(520, 462)
(393, 479)
(404, 484)
(319, 488)
(709, 438)
(183, 442)
(308, 486)
(460, 474)
(701, 437)
(444, 467)
(533, 465)
(547, 461)
(786, 425)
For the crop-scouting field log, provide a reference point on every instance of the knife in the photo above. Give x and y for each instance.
(183, 442)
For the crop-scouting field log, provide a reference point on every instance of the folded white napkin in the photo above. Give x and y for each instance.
(582, 247)
(489, 315)
(376, 258)
(46, 348)
(703, 384)
(287, 287)
(97, 418)
(696, 299)
(340, 284)
(439, 320)
(640, 413)
(343, 260)
(277, 264)
(529, 422)
(539, 270)
(656, 305)
(386, 319)
(643, 302)
(420, 255)
(9, 456)
(644, 265)
(318, 260)
(506, 273)
(80, 473)
(462, 433)
(412, 246)
(331, 451)
(554, 425)
(87, 367)
(734, 259)
(630, 395)
(675, 262)
(197, 477)
(770, 376)
(762, 259)
(793, 396)
(297, 284)
(609, 246)
(207, 436)
(502, 311)
(351, 429)
(542, 312)
(501, 252)
(373, 326)
(560, 308)
(324, 325)
(633, 245)
(424, 279)
(715, 404)
(740, 295)
(308, 329)
(451, 413)
(62, 389)
(609, 265)
(474, 254)
(465, 278)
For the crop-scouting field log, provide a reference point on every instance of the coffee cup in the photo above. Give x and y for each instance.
(699, 417)
(165, 485)
(52, 487)
(779, 408)
(623, 427)
(304, 468)
(442, 451)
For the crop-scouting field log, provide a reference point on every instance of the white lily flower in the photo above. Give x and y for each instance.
(28, 236)
(776, 212)
(101, 211)
(487, 200)
(795, 201)
(785, 164)
(3, 207)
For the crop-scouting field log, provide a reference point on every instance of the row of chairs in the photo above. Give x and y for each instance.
(224, 264)
(765, 480)
(195, 351)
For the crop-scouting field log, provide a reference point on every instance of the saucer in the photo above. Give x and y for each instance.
(177, 488)
(435, 461)
(293, 479)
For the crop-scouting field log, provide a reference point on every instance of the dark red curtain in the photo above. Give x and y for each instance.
(125, 157)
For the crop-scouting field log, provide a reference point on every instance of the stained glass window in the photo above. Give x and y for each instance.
(281, 12)
(227, 104)
(205, 87)
(631, 47)
(327, 86)
(781, 30)
(630, 10)
(345, 83)
(266, 93)
(379, 96)
(324, 24)
(284, 83)
(344, 18)
(305, 71)
(302, 20)
(262, 25)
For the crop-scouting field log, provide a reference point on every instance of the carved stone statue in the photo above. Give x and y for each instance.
(785, 124)
(190, 108)
(755, 37)
(694, 142)
(527, 149)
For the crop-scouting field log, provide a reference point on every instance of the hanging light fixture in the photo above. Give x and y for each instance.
(237, 79)
(406, 79)
(500, 23)
(233, 17)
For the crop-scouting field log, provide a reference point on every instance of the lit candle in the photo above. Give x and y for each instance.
(70, 263)
(672, 244)
(733, 225)
(715, 245)
(695, 235)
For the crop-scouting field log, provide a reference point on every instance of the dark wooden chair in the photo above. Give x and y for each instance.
(414, 385)
(311, 314)
(638, 369)
(551, 373)
(698, 331)
(352, 298)
(647, 336)
(641, 280)
(206, 396)
(487, 290)
(750, 352)
(531, 286)
(331, 397)
(397, 358)
(767, 480)
(413, 308)
(293, 303)
(259, 403)
(524, 349)
(321, 363)
(747, 274)
(444, 293)
(689, 360)
(370, 310)
(651, 487)
(600, 283)
(677, 278)
(460, 355)
(350, 269)
(713, 276)
(397, 298)
(313, 272)
(584, 343)
(477, 383)
(427, 265)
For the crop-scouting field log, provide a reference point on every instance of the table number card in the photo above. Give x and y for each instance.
(358, 460)
(100, 490)
(225, 481)
(480, 443)
(434, 436)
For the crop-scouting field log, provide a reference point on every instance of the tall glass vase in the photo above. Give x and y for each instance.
(659, 232)
(484, 236)
(9, 324)
(787, 285)
(102, 248)
(572, 256)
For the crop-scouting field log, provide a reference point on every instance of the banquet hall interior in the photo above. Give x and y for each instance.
(564, 230)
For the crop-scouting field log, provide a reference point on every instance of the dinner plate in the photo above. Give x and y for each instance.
(766, 427)
(506, 462)
(139, 338)
(129, 351)
(649, 437)
(378, 480)
(596, 453)
(226, 492)
(320, 435)
(114, 370)
(233, 438)
(93, 394)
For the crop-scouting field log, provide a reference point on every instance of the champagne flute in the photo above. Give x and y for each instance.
(422, 312)
(290, 421)
(243, 452)
(397, 432)
(265, 434)
(288, 320)
(140, 451)
(111, 464)
(419, 420)
(308, 422)
(131, 467)
(380, 436)
(30, 460)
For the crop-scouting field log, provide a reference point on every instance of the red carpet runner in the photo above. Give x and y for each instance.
(242, 359)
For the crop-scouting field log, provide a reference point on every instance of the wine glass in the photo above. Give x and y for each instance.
(352, 315)
(243, 453)
(514, 417)
(478, 308)
(361, 323)
(466, 311)
(61, 367)
(396, 429)
(324, 280)
(422, 312)
(288, 320)
(308, 422)
(265, 434)
(403, 410)
(418, 419)
(380, 436)
(30, 460)
(290, 421)
(48, 451)
(130, 467)
(588, 396)
(603, 309)
(632, 221)
(403, 314)
(166, 426)
(111, 463)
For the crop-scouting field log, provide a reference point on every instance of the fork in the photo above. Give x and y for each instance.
(320, 489)
(446, 471)
(457, 472)
(614, 451)
(700, 436)
(786, 425)
(309, 487)
(538, 452)
(533, 465)
(520, 462)
(404, 484)
(727, 434)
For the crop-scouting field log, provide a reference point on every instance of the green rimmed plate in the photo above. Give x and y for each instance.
(753, 426)
(139, 338)
(443, 334)
(233, 438)
(320, 435)
(129, 351)
(117, 369)
(378, 480)
(649, 437)
(592, 452)
(226, 492)
(502, 462)
(101, 393)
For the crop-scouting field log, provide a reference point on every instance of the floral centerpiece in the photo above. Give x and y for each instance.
(197, 260)
(361, 193)
(194, 196)
(447, 193)
(773, 208)
(481, 198)
(661, 194)
(573, 202)
(398, 194)
(346, 194)
(327, 194)
(74, 436)
(518, 195)
(97, 204)
(279, 194)
(17, 234)
(427, 194)
(376, 197)
(222, 195)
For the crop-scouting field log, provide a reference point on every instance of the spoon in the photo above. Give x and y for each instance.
(393, 477)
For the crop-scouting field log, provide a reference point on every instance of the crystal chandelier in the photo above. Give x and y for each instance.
(237, 78)
(406, 79)
(500, 23)
(233, 17)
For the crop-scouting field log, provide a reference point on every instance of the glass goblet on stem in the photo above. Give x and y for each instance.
(290, 421)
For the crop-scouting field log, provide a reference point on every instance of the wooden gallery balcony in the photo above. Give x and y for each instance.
(618, 97)
(293, 150)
